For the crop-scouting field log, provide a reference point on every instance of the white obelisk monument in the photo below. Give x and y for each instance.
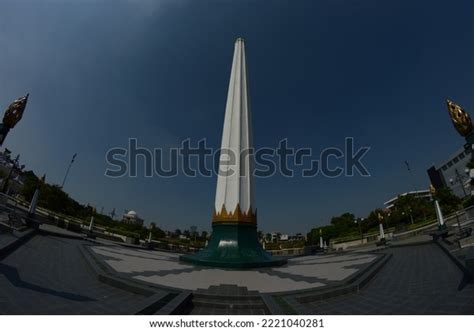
(234, 240)
(235, 188)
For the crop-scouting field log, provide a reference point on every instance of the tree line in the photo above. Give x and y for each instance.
(407, 211)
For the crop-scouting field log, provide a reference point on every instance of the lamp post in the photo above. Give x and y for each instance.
(68, 168)
(411, 175)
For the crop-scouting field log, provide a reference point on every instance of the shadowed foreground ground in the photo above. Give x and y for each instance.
(417, 280)
(48, 275)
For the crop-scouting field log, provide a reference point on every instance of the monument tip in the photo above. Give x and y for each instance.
(240, 40)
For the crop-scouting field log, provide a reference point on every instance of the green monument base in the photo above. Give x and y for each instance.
(234, 246)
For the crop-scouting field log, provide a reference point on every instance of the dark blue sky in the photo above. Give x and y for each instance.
(100, 72)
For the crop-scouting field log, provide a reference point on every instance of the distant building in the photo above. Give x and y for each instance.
(275, 236)
(131, 217)
(297, 236)
(423, 194)
(452, 173)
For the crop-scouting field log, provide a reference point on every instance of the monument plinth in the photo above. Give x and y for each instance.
(234, 242)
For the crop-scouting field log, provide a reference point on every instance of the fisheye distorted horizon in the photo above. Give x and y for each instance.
(158, 71)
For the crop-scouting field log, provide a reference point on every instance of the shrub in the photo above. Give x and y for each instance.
(469, 202)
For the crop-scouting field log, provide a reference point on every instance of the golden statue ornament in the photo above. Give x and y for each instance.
(14, 112)
(12, 116)
(460, 118)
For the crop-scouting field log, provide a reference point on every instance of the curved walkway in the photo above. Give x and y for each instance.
(417, 280)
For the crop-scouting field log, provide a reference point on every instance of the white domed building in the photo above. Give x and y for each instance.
(131, 217)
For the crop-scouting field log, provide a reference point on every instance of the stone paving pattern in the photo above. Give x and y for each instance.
(417, 280)
(166, 270)
(47, 275)
(8, 238)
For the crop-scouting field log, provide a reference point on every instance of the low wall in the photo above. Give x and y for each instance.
(467, 242)
(347, 244)
(367, 239)
(287, 251)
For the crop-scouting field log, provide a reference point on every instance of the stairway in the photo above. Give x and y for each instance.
(227, 300)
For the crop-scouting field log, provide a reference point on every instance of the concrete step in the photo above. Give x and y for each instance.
(227, 290)
(228, 303)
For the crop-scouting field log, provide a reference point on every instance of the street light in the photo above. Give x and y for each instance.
(68, 168)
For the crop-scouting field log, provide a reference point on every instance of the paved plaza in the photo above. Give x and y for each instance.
(417, 280)
(50, 275)
(166, 270)
(47, 275)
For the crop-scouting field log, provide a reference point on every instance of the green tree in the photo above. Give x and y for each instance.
(448, 201)
(53, 198)
(371, 222)
(156, 232)
(268, 237)
(409, 207)
(344, 225)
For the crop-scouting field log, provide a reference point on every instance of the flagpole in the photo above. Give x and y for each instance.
(68, 168)
(411, 176)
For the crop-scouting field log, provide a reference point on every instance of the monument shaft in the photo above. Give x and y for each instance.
(234, 242)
